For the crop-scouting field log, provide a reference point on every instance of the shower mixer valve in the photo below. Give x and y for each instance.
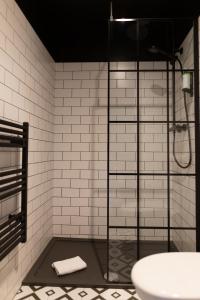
(178, 127)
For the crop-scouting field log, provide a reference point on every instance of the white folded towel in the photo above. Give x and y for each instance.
(69, 265)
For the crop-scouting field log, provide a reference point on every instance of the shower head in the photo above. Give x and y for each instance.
(155, 50)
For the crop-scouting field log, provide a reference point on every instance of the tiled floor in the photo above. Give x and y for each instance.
(74, 293)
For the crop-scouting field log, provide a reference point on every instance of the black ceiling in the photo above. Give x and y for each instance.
(76, 30)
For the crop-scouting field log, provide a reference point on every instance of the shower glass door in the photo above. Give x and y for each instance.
(151, 199)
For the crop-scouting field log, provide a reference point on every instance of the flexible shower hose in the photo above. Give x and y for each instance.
(181, 165)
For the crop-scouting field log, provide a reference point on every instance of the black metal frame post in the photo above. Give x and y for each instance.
(108, 153)
(197, 130)
(168, 166)
(138, 137)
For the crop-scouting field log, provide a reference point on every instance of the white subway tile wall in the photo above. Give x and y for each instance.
(86, 109)
(9, 158)
(27, 75)
(80, 153)
(183, 188)
(65, 104)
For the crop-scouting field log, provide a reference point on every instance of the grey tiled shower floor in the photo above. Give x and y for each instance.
(122, 256)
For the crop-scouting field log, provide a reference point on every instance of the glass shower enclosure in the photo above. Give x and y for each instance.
(152, 141)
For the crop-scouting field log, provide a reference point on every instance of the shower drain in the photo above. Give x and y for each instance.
(111, 276)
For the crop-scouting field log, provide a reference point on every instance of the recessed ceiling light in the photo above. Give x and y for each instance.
(119, 19)
(124, 20)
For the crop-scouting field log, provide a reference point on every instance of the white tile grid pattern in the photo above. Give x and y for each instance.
(79, 205)
(9, 158)
(74, 293)
(183, 189)
(82, 89)
(27, 94)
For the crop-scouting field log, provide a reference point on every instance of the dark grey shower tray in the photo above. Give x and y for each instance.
(94, 253)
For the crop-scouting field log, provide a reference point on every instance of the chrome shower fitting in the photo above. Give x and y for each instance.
(178, 127)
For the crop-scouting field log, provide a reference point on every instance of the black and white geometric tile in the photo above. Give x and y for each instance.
(122, 257)
(74, 293)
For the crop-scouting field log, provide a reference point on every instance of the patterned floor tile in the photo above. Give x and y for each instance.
(31, 298)
(113, 294)
(74, 293)
(83, 294)
(24, 291)
(50, 293)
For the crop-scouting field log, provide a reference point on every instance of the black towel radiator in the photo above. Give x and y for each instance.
(13, 182)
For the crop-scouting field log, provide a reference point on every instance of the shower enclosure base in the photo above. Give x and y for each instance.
(93, 252)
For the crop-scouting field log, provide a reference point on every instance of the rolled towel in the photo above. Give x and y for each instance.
(69, 265)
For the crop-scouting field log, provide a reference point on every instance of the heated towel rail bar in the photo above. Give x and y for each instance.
(13, 230)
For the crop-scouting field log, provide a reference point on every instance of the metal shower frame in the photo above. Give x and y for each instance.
(168, 174)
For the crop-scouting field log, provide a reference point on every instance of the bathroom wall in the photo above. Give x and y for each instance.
(79, 205)
(78, 162)
(183, 188)
(80, 152)
(26, 94)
